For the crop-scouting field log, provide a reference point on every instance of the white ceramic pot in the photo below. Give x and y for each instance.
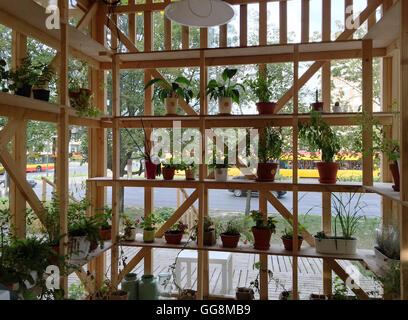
(221, 174)
(130, 234)
(336, 246)
(79, 247)
(171, 105)
(382, 260)
(225, 105)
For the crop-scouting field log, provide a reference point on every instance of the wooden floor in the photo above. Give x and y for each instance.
(310, 272)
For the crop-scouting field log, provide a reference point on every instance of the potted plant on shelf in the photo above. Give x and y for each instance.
(189, 169)
(317, 105)
(130, 227)
(287, 237)
(148, 224)
(169, 93)
(226, 92)
(40, 92)
(320, 137)
(104, 220)
(210, 237)
(169, 167)
(232, 229)
(23, 77)
(263, 229)
(387, 248)
(175, 233)
(261, 88)
(348, 216)
(220, 170)
(270, 148)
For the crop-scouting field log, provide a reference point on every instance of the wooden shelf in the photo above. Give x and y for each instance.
(81, 262)
(33, 109)
(29, 18)
(232, 121)
(314, 51)
(231, 184)
(385, 189)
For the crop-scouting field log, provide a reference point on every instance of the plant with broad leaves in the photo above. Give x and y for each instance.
(224, 89)
(180, 88)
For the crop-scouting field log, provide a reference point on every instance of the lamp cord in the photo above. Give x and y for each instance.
(198, 15)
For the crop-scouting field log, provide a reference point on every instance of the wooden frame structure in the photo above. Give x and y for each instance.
(390, 45)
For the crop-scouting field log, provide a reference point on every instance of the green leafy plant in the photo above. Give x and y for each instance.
(392, 281)
(260, 267)
(209, 225)
(347, 214)
(149, 223)
(260, 223)
(180, 88)
(26, 74)
(270, 145)
(238, 226)
(224, 89)
(319, 136)
(47, 73)
(103, 218)
(261, 86)
(4, 76)
(83, 103)
(179, 227)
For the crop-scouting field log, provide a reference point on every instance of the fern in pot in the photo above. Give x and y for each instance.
(261, 88)
(318, 135)
(348, 217)
(169, 93)
(225, 91)
(40, 91)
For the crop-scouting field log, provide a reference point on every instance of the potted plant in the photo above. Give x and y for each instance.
(262, 230)
(226, 92)
(220, 170)
(189, 170)
(261, 88)
(148, 224)
(169, 167)
(175, 233)
(387, 248)
(130, 228)
(210, 238)
(320, 137)
(232, 229)
(244, 293)
(107, 292)
(40, 92)
(287, 237)
(24, 77)
(270, 148)
(348, 216)
(317, 105)
(104, 219)
(169, 93)
(80, 243)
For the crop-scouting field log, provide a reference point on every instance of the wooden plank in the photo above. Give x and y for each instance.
(148, 31)
(167, 34)
(185, 37)
(132, 26)
(305, 18)
(203, 37)
(368, 112)
(326, 227)
(283, 22)
(132, 263)
(326, 69)
(223, 36)
(404, 150)
(263, 258)
(243, 25)
(263, 27)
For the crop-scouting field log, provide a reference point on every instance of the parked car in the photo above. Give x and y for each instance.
(31, 182)
(243, 193)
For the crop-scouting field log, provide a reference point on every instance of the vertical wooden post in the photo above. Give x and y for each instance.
(115, 168)
(167, 34)
(404, 150)
(368, 111)
(223, 36)
(263, 258)
(326, 227)
(283, 22)
(203, 38)
(243, 25)
(18, 148)
(63, 134)
(305, 29)
(372, 19)
(132, 24)
(295, 170)
(185, 37)
(148, 110)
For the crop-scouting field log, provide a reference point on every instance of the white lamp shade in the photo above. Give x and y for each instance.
(199, 13)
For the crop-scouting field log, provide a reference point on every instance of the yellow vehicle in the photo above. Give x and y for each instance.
(37, 162)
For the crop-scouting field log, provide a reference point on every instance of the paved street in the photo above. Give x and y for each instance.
(219, 199)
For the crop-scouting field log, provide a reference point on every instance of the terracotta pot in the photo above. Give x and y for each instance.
(119, 295)
(317, 106)
(151, 169)
(225, 105)
(267, 171)
(243, 293)
(93, 246)
(209, 238)
(266, 107)
(190, 174)
(288, 243)
(262, 238)
(171, 106)
(173, 237)
(105, 234)
(229, 241)
(168, 173)
(395, 174)
(327, 172)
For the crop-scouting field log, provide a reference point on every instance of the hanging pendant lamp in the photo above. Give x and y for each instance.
(199, 13)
